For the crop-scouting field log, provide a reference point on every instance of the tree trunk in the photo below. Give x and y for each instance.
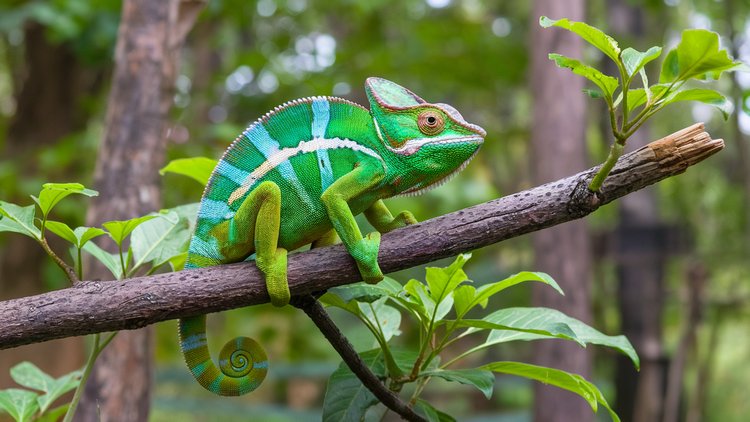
(563, 251)
(642, 243)
(149, 39)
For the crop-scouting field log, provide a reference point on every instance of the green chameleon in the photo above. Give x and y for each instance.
(298, 176)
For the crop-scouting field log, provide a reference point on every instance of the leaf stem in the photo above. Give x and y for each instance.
(67, 269)
(96, 349)
(122, 261)
(614, 153)
(79, 270)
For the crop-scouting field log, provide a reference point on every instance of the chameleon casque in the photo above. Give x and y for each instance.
(298, 176)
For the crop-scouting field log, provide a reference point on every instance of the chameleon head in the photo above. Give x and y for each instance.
(432, 139)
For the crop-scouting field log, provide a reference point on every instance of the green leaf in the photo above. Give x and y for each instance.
(425, 409)
(62, 230)
(638, 96)
(177, 262)
(157, 240)
(606, 83)
(482, 379)
(463, 299)
(583, 332)
(419, 295)
(707, 96)
(594, 93)
(55, 414)
(14, 218)
(697, 56)
(571, 382)
(77, 237)
(634, 60)
(197, 168)
(109, 260)
(511, 321)
(364, 292)
(443, 281)
(333, 300)
(119, 230)
(590, 34)
(386, 318)
(85, 234)
(28, 375)
(52, 193)
(486, 291)
(346, 399)
(21, 405)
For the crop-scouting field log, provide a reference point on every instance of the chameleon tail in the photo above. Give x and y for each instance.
(242, 361)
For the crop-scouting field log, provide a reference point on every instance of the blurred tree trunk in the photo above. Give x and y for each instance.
(150, 36)
(642, 243)
(557, 138)
(48, 108)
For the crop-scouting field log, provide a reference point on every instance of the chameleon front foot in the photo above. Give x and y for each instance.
(365, 253)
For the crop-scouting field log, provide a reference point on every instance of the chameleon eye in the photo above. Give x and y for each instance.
(430, 122)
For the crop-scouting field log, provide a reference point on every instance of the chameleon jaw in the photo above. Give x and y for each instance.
(411, 147)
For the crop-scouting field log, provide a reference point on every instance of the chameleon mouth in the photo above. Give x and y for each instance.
(412, 147)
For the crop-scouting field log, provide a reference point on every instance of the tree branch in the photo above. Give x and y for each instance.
(320, 317)
(98, 306)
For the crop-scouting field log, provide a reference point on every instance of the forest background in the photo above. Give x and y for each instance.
(668, 266)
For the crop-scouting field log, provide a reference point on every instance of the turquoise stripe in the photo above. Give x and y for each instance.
(193, 342)
(200, 368)
(321, 115)
(262, 140)
(261, 365)
(268, 146)
(211, 208)
(216, 384)
(231, 172)
(209, 248)
(326, 169)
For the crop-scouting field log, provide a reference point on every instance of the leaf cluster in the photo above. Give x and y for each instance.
(697, 57)
(144, 243)
(34, 403)
(441, 307)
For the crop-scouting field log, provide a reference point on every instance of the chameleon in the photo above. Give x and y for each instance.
(298, 176)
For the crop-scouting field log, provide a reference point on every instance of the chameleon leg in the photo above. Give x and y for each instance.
(364, 250)
(380, 217)
(257, 222)
(327, 239)
(242, 362)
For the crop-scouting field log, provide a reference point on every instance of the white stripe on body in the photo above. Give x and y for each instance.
(283, 155)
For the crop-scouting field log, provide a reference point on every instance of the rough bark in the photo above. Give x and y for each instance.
(558, 146)
(98, 306)
(149, 40)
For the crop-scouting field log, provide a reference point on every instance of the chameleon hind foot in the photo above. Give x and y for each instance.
(274, 269)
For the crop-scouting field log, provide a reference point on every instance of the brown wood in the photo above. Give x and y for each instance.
(98, 306)
(149, 39)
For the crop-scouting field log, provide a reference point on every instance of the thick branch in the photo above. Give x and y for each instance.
(97, 306)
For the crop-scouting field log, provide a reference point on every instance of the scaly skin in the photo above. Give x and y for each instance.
(298, 176)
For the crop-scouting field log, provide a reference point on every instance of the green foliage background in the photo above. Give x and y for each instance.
(245, 57)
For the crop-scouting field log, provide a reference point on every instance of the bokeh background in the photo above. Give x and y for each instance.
(668, 267)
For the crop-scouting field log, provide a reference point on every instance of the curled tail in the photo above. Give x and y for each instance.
(242, 361)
